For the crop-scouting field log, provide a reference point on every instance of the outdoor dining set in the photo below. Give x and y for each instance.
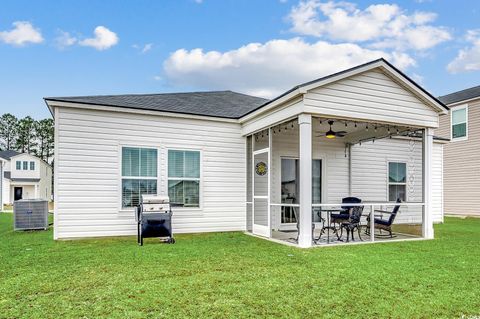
(348, 219)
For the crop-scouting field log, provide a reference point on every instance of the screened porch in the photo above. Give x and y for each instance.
(321, 181)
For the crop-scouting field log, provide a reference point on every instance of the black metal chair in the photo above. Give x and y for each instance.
(344, 215)
(353, 222)
(384, 224)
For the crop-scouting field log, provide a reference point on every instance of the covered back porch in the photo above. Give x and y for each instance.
(346, 159)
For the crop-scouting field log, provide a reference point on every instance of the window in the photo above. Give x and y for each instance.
(139, 174)
(184, 178)
(25, 165)
(32, 166)
(18, 165)
(397, 181)
(459, 122)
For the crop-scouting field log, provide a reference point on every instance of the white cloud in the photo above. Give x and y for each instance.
(467, 59)
(270, 68)
(378, 25)
(103, 39)
(22, 33)
(65, 39)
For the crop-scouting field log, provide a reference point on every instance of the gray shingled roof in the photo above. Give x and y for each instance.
(462, 95)
(225, 104)
(8, 154)
(26, 180)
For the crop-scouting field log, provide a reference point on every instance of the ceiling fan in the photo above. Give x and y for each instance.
(331, 133)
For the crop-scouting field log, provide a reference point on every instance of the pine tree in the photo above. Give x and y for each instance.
(8, 131)
(26, 140)
(45, 137)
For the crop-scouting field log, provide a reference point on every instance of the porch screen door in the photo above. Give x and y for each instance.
(261, 185)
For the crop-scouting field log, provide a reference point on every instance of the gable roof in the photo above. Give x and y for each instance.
(8, 154)
(224, 104)
(233, 105)
(463, 95)
(418, 90)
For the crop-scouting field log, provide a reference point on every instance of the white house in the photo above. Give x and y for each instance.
(24, 176)
(234, 162)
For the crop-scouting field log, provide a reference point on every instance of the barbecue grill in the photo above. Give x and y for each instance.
(154, 218)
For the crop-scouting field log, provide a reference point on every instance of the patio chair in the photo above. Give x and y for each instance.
(384, 224)
(353, 222)
(344, 215)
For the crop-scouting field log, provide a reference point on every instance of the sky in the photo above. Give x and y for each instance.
(70, 48)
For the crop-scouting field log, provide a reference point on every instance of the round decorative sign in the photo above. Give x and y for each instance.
(261, 168)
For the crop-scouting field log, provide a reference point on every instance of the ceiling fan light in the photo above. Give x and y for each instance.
(330, 134)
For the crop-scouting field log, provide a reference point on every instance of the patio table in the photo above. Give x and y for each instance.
(329, 211)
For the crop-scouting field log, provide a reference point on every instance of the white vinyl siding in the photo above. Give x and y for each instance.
(372, 96)
(88, 175)
(462, 165)
(369, 173)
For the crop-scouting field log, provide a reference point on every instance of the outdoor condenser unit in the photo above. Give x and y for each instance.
(29, 214)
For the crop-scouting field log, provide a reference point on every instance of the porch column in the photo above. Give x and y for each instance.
(427, 227)
(305, 150)
(36, 191)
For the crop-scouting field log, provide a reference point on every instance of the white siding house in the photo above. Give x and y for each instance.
(204, 150)
(24, 176)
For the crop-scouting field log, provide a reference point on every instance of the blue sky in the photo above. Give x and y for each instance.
(60, 48)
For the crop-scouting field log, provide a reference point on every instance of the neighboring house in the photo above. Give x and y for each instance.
(462, 156)
(24, 176)
(234, 162)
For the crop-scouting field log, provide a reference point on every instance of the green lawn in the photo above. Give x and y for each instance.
(226, 275)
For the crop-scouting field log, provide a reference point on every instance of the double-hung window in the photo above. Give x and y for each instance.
(25, 165)
(459, 123)
(184, 178)
(397, 181)
(139, 174)
(18, 165)
(32, 166)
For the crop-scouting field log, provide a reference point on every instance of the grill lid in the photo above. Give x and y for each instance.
(155, 199)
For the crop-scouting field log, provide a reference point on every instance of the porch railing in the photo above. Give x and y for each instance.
(372, 205)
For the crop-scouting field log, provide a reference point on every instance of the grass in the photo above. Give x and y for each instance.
(225, 275)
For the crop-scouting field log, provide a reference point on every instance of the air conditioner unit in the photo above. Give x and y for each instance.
(29, 214)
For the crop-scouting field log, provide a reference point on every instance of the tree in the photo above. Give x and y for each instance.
(8, 131)
(45, 137)
(26, 140)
